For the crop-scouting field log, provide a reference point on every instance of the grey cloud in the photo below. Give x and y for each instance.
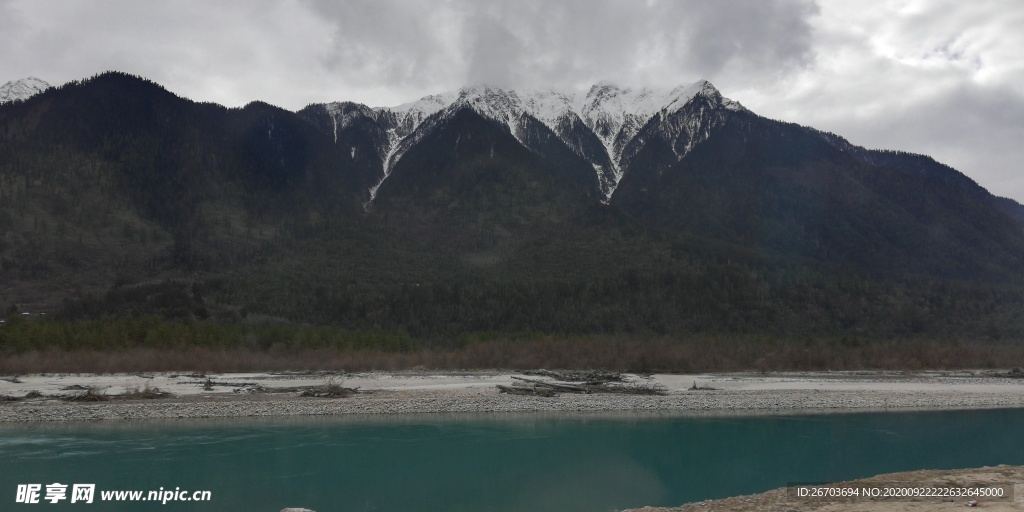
(18, 56)
(226, 51)
(494, 52)
(394, 42)
(584, 40)
(517, 42)
(977, 128)
(552, 43)
(757, 36)
(8, 20)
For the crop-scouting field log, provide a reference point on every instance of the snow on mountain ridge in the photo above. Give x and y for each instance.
(502, 105)
(549, 105)
(604, 100)
(343, 113)
(23, 89)
(412, 114)
(614, 114)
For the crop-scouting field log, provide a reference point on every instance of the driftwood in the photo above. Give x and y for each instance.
(634, 389)
(524, 390)
(208, 384)
(329, 391)
(1015, 373)
(554, 385)
(588, 383)
(588, 376)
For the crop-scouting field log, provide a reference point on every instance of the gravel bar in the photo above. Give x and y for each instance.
(482, 400)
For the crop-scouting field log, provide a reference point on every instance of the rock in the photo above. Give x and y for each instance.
(296, 510)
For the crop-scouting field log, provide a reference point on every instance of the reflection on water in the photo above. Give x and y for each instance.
(493, 463)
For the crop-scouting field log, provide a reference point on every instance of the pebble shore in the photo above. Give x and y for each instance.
(491, 401)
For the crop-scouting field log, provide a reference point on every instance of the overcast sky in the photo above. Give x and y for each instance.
(940, 77)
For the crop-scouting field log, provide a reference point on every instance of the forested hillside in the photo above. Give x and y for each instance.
(120, 200)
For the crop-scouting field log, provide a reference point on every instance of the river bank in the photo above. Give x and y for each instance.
(783, 500)
(70, 397)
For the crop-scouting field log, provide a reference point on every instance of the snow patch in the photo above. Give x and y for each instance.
(617, 114)
(548, 105)
(614, 114)
(503, 106)
(409, 116)
(19, 90)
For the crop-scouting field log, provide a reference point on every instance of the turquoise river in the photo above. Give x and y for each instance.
(486, 463)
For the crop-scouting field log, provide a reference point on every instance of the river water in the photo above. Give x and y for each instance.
(485, 463)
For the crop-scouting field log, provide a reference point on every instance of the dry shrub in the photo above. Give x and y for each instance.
(93, 394)
(146, 393)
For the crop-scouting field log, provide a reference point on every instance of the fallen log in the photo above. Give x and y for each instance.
(633, 389)
(329, 391)
(526, 391)
(563, 387)
(577, 375)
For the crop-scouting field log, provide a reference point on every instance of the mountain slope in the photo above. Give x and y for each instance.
(615, 210)
(783, 189)
(117, 161)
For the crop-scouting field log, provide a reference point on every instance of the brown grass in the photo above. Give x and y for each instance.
(660, 355)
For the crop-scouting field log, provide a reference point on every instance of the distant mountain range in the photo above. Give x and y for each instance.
(507, 193)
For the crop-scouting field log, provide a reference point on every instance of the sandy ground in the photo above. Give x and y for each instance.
(184, 385)
(45, 397)
(784, 500)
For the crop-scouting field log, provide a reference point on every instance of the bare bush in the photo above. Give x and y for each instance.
(146, 393)
(92, 394)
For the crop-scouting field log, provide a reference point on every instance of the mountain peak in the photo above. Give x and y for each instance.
(473, 90)
(604, 88)
(547, 104)
(705, 85)
(604, 84)
(18, 90)
(415, 112)
(489, 100)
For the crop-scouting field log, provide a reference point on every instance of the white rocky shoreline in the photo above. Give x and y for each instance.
(269, 395)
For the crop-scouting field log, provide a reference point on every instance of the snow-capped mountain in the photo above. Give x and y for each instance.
(17, 90)
(607, 126)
